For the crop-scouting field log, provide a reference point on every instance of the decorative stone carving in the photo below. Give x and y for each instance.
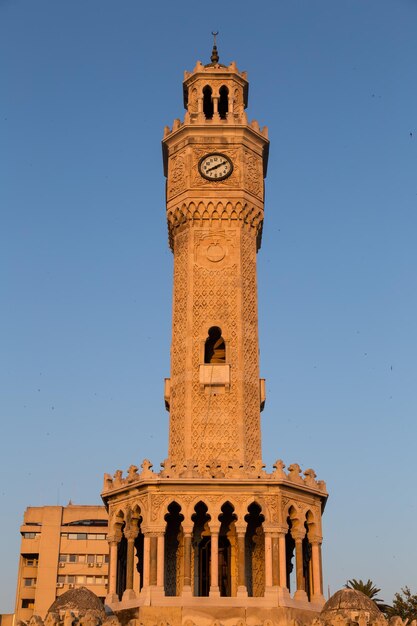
(107, 482)
(190, 469)
(279, 470)
(169, 469)
(146, 472)
(132, 474)
(294, 473)
(177, 175)
(310, 477)
(253, 173)
(257, 468)
(52, 619)
(118, 479)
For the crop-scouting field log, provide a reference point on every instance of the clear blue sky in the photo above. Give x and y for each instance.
(85, 274)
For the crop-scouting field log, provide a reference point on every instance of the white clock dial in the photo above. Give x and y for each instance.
(215, 166)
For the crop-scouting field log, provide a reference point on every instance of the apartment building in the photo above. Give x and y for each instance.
(61, 548)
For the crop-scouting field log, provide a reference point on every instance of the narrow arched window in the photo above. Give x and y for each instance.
(215, 347)
(223, 102)
(208, 102)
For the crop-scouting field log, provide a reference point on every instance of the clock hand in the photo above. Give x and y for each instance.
(215, 166)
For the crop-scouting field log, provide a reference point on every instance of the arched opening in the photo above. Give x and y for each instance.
(136, 520)
(306, 565)
(227, 549)
(208, 102)
(255, 551)
(173, 550)
(202, 550)
(223, 102)
(121, 564)
(215, 347)
(139, 557)
(289, 552)
(307, 554)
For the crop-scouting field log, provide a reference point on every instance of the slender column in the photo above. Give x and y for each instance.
(241, 573)
(214, 571)
(146, 555)
(268, 559)
(130, 535)
(275, 560)
(215, 106)
(129, 560)
(160, 560)
(153, 561)
(113, 542)
(187, 561)
(282, 561)
(316, 570)
(299, 563)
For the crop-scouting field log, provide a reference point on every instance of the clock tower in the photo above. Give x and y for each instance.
(215, 163)
(213, 537)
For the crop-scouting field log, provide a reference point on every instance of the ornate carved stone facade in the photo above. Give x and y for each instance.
(214, 535)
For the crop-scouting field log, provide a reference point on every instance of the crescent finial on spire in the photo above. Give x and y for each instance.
(214, 54)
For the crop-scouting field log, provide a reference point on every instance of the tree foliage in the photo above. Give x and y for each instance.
(404, 604)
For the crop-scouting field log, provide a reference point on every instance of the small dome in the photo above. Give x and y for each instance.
(346, 602)
(78, 601)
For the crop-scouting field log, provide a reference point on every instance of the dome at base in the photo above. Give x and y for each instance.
(78, 601)
(349, 603)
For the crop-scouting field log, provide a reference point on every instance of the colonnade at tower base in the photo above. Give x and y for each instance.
(215, 542)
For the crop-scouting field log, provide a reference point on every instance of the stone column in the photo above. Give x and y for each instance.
(275, 559)
(146, 557)
(282, 560)
(112, 586)
(241, 570)
(214, 570)
(130, 535)
(160, 572)
(186, 588)
(153, 561)
(268, 559)
(317, 594)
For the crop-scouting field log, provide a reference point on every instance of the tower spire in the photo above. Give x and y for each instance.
(214, 54)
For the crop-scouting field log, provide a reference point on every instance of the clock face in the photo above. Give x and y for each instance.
(215, 166)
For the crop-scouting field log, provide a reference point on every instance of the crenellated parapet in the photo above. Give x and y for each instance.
(212, 470)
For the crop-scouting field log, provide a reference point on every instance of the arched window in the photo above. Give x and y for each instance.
(223, 102)
(215, 347)
(208, 102)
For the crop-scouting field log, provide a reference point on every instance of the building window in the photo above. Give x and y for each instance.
(91, 558)
(208, 102)
(31, 560)
(30, 535)
(77, 535)
(29, 582)
(84, 536)
(215, 347)
(223, 102)
(28, 604)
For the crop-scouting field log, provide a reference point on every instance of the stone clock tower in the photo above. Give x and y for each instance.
(215, 163)
(213, 537)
